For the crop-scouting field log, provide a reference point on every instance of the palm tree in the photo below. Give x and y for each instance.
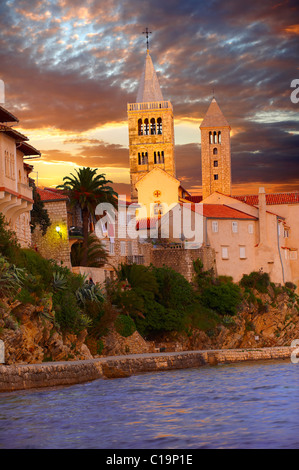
(87, 189)
(96, 253)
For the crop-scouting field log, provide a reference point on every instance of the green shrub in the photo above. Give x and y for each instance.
(256, 280)
(228, 320)
(11, 278)
(201, 317)
(26, 297)
(291, 286)
(41, 268)
(125, 325)
(202, 278)
(68, 313)
(223, 298)
(8, 240)
(174, 291)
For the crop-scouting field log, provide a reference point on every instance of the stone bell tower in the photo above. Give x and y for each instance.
(151, 129)
(215, 152)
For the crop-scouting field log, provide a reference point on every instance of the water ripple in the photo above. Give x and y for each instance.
(251, 405)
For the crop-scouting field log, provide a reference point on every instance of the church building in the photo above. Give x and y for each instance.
(244, 233)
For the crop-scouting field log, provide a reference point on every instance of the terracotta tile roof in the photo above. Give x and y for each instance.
(214, 117)
(220, 211)
(271, 199)
(49, 196)
(194, 199)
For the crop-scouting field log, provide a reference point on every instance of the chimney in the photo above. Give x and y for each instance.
(262, 217)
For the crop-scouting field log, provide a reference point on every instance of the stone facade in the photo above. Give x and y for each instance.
(181, 260)
(215, 152)
(54, 245)
(16, 199)
(142, 148)
(151, 129)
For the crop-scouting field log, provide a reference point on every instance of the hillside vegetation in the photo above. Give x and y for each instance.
(48, 313)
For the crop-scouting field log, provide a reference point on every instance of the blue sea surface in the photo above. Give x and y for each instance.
(249, 405)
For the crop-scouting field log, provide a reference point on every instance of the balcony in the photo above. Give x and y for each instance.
(148, 106)
(76, 232)
(25, 191)
(135, 259)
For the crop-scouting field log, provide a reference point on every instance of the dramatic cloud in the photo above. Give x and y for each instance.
(73, 67)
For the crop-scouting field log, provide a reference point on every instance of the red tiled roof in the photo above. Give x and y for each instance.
(49, 196)
(220, 211)
(271, 199)
(194, 199)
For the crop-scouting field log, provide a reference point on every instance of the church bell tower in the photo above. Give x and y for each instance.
(151, 129)
(215, 152)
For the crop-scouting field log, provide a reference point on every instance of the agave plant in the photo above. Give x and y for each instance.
(91, 292)
(59, 281)
(11, 277)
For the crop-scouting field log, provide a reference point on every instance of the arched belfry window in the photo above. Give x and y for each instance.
(146, 127)
(215, 151)
(215, 137)
(140, 127)
(142, 158)
(210, 137)
(159, 126)
(153, 126)
(219, 137)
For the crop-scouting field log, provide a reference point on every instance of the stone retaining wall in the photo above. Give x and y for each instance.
(21, 377)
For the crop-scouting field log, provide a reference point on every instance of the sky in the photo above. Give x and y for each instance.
(70, 68)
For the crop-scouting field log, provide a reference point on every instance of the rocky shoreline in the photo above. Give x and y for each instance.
(30, 376)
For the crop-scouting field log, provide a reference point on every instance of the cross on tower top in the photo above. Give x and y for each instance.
(147, 32)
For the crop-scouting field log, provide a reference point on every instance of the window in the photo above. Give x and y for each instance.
(219, 137)
(7, 168)
(215, 137)
(140, 127)
(142, 158)
(210, 137)
(111, 246)
(158, 209)
(159, 157)
(215, 151)
(286, 233)
(159, 126)
(123, 250)
(250, 228)
(293, 254)
(214, 226)
(146, 127)
(215, 163)
(224, 252)
(153, 126)
(242, 252)
(235, 227)
(215, 177)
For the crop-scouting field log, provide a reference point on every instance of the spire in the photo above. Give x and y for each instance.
(149, 88)
(214, 116)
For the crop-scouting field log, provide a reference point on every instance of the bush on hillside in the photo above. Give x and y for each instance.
(222, 298)
(256, 280)
(125, 325)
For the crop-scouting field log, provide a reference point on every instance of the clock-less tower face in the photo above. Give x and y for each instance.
(151, 129)
(215, 152)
